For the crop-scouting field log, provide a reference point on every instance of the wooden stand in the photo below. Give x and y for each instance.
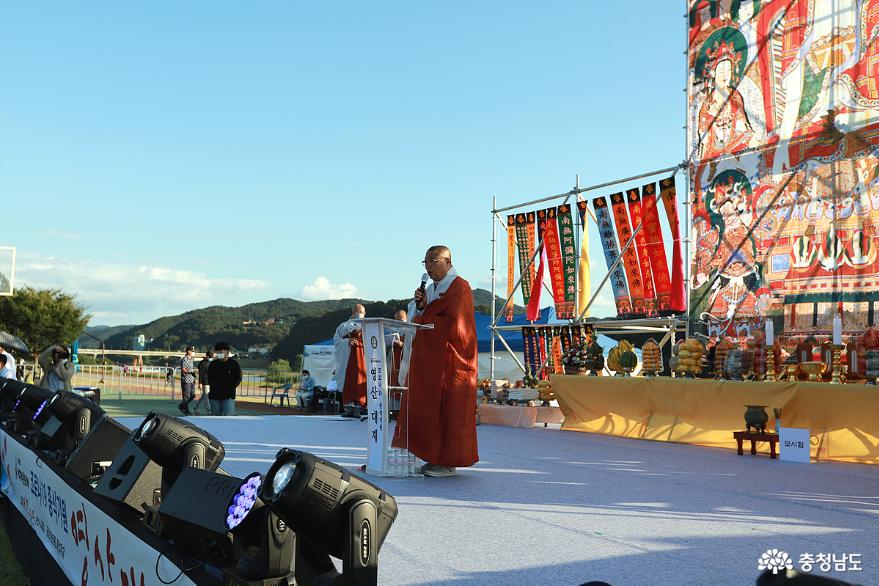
(755, 437)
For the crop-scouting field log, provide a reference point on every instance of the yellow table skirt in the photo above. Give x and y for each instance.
(843, 419)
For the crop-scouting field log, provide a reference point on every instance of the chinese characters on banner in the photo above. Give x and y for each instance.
(630, 257)
(525, 242)
(655, 247)
(569, 262)
(611, 253)
(511, 264)
(633, 198)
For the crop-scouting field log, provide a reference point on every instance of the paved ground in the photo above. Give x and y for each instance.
(550, 507)
(135, 405)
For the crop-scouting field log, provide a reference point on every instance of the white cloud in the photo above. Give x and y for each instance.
(322, 288)
(117, 293)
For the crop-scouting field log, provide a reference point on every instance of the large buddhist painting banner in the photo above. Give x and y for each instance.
(783, 132)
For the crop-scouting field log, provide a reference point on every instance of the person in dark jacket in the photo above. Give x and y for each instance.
(203, 383)
(224, 374)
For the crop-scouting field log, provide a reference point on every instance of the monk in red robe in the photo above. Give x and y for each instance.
(350, 364)
(437, 420)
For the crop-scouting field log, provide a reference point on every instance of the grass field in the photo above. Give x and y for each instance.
(140, 405)
(11, 572)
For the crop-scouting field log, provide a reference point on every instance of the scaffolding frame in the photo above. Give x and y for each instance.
(667, 326)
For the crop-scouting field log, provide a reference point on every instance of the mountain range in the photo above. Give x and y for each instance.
(283, 324)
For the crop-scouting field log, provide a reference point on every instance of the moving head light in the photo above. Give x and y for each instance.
(65, 419)
(174, 443)
(340, 513)
(151, 459)
(26, 404)
(10, 389)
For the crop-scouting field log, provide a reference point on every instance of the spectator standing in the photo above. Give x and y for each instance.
(203, 382)
(224, 374)
(187, 380)
(7, 371)
(57, 368)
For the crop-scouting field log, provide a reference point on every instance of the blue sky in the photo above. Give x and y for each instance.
(161, 156)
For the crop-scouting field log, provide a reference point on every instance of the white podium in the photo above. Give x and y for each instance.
(381, 458)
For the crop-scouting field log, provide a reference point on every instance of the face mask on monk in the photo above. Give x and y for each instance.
(359, 315)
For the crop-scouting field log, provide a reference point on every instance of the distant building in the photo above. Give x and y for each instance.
(138, 342)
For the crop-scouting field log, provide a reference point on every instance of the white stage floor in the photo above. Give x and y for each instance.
(550, 507)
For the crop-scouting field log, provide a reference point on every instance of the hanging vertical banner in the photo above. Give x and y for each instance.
(554, 259)
(633, 198)
(668, 194)
(611, 253)
(656, 248)
(511, 264)
(541, 339)
(526, 346)
(532, 312)
(525, 241)
(630, 257)
(583, 273)
(569, 259)
(557, 366)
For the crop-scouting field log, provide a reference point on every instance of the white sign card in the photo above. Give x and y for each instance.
(793, 444)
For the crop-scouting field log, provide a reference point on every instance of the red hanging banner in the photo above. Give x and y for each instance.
(532, 312)
(630, 256)
(554, 257)
(656, 248)
(633, 198)
(678, 301)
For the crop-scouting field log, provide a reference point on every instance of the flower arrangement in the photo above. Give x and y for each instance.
(587, 355)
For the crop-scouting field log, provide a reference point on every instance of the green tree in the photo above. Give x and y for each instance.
(42, 317)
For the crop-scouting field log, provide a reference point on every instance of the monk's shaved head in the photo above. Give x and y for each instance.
(438, 251)
(358, 308)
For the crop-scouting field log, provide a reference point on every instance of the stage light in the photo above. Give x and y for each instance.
(175, 444)
(150, 461)
(28, 401)
(40, 410)
(10, 390)
(336, 511)
(66, 420)
(243, 501)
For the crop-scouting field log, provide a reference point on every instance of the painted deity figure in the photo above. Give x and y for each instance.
(723, 123)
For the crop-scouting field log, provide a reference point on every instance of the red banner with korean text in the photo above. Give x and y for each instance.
(630, 256)
(678, 301)
(656, 248)
(633, 199)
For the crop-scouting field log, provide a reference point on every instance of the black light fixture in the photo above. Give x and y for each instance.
(96, 452)
(29, 400)
(214, 512)
(333, 510)
(265, 548)
(174, 443)
(149, 462)
(10, 390)
(65, 420)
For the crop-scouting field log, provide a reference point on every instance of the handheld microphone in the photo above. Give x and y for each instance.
(424, 279)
